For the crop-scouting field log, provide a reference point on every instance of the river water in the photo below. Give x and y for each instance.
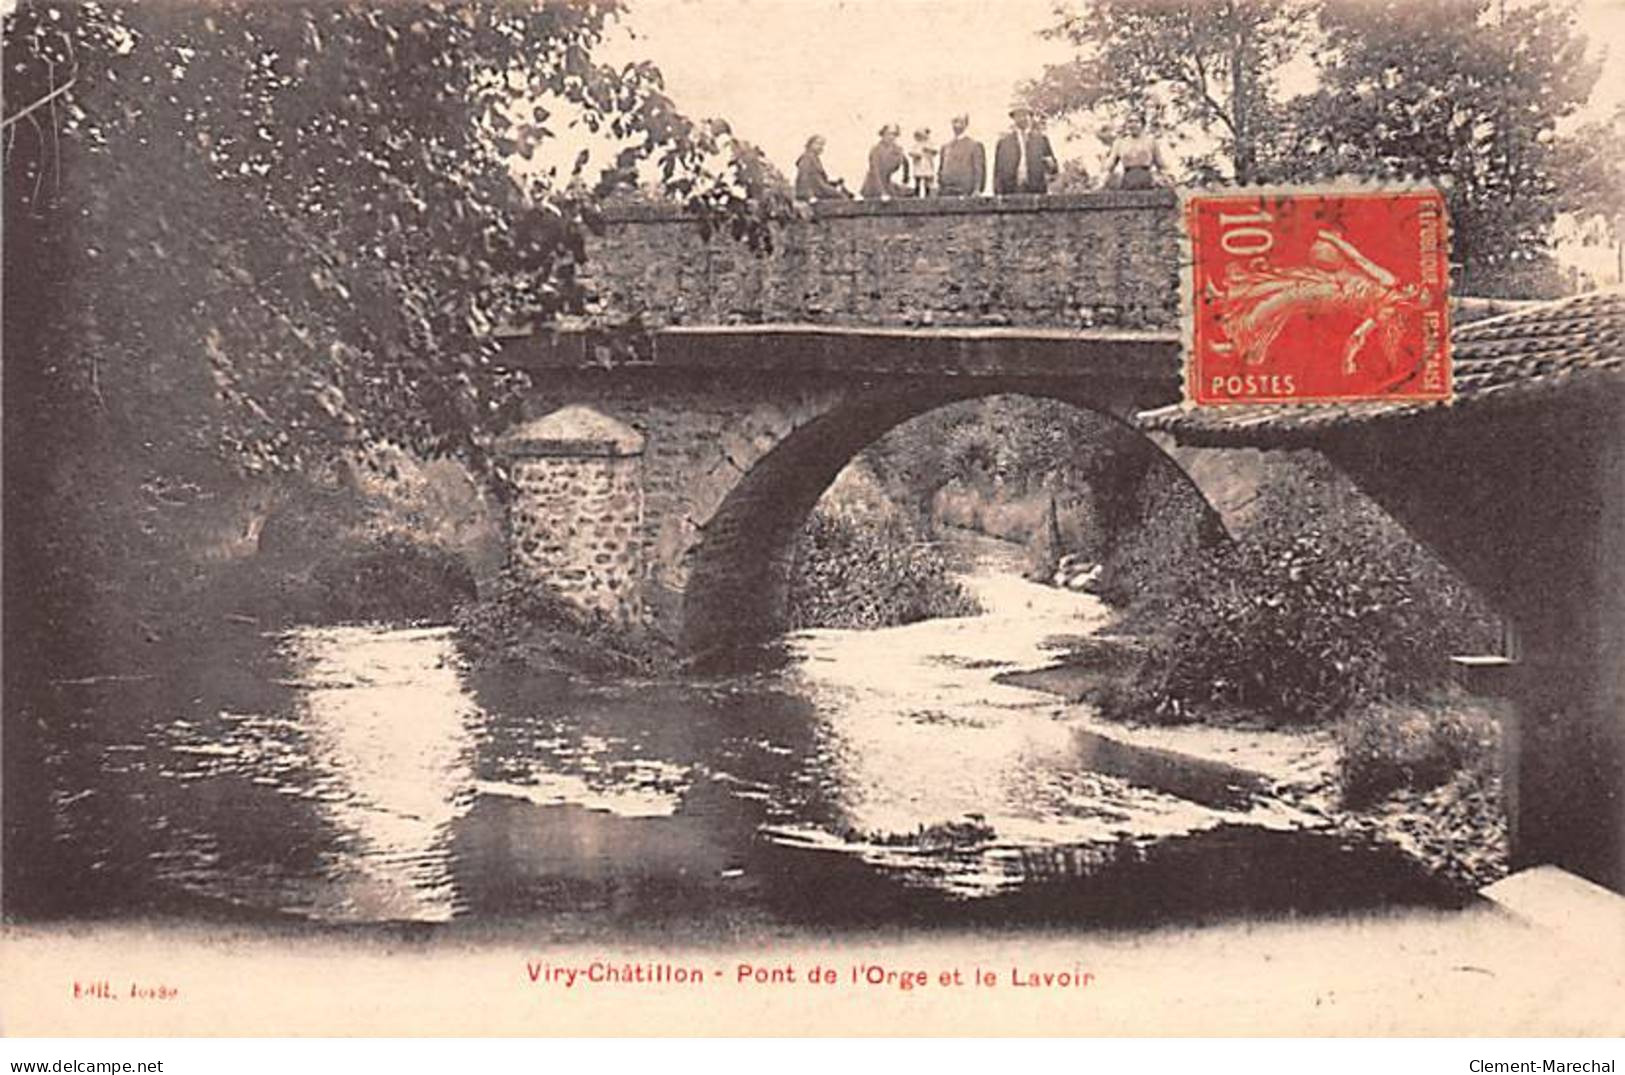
(361, 775)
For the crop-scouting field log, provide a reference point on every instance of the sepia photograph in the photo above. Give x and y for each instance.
(814, 518)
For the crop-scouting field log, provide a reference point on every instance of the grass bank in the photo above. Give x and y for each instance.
(517, 623)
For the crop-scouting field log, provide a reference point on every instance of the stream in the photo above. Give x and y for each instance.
(360, 774)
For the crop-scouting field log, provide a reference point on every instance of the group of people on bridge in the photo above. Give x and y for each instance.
(1023, 163)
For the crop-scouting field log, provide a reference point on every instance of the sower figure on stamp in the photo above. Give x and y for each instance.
(963, 171)
(1023, 161)
(1260, 300)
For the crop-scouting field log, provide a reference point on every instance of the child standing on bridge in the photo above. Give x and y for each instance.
(922, 160)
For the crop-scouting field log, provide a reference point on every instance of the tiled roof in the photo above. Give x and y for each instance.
(1550, 349)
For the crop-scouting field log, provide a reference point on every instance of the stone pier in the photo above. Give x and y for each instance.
(576, 519)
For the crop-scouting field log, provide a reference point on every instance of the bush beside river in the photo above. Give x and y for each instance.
(870, 571)
(862, 561)
(516, 622)
(859, 562)
(1323, 614)
(1322, 606)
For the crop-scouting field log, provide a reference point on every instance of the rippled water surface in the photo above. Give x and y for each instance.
(359, 774)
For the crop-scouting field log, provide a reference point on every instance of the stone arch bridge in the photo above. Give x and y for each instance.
(668, 470)
(665, 471)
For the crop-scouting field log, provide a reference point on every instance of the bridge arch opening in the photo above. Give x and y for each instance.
(741, 568)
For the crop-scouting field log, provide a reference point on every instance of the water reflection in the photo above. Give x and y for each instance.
(389, 745)
(362, 776)
(952, 780)
(335, 805)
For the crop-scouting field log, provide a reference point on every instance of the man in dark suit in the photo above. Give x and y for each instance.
(963, 171)
(1023, 161)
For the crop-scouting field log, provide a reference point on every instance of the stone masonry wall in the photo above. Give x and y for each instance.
(577, 523)
(701, 434)
(1074, 261)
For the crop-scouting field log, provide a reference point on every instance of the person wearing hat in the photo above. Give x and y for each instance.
(963, 171)
(886, 160)
(1023, 161)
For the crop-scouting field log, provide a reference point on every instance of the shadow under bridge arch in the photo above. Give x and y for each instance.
(740, 568)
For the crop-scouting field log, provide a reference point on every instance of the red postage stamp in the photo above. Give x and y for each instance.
(1317, 296)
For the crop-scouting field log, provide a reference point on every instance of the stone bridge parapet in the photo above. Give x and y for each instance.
(1106, 260)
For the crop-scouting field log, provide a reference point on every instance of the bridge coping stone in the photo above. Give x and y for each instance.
(1104, 200)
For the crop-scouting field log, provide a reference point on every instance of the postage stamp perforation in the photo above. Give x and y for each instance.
(1315, 294)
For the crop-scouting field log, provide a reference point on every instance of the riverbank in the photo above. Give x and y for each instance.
(877, 776)
(517, 624)
(1456, 829)
(934, 732)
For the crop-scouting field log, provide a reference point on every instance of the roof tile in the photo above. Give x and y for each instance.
(1573, 344)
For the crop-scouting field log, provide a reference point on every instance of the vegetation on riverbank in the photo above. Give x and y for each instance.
(1457, 830)
(1413, 746)
(862, 571)
(380, 537)
(203, 316)
(1323, 606)
(516, 622)
(862, 562)
(1425, 776)
(1323, 614)
(1322, 619)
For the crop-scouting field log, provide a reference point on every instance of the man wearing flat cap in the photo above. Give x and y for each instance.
(1023, 161)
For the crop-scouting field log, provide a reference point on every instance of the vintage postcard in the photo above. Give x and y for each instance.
(814, 517)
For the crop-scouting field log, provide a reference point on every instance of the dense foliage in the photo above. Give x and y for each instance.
(1465, 92)
(870, 570)
(248, 238)
(300, 223)
(517, 623)
(1063, 480)
(1416, 747)
(1326, 604)
(1205, 68)
(1469, 94)
(1168, 526)
(1010, 447)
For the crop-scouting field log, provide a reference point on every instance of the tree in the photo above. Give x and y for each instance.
(1208, 67)
(1015, 445)
(757, 196)
(312, 207)
(1466, 93)
(249, 236)
(1593, 189)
